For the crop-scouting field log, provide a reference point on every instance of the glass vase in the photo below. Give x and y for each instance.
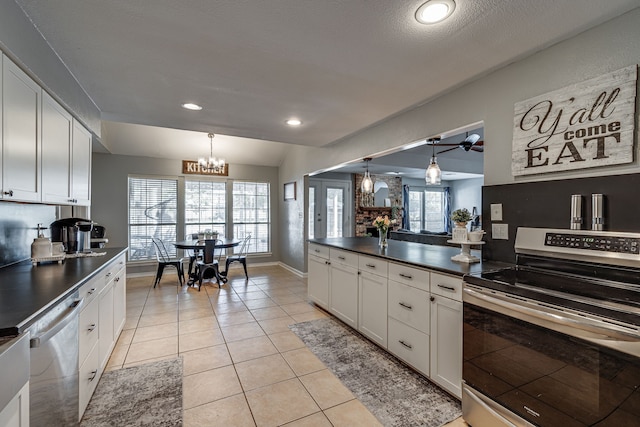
(382, 238)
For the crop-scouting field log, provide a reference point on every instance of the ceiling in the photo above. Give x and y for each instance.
(338, 65)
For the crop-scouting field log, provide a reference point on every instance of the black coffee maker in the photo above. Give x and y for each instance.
(74, 233)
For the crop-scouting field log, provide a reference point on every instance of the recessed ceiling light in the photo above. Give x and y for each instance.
(435, 11)
(294, 122)
(191, 106)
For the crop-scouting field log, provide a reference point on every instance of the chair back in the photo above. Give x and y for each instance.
(210, 251)
(244, 246)
(162, 255)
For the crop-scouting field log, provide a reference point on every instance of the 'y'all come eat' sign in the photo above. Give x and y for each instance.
(585, 125)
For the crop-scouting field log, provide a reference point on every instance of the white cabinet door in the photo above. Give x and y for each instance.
(372, 308)
(446, 344)
(16, 413)
(105, 340)
(119, 302)
(21, 145)
(56, 152)
(318, 281)
(81, 165)
(343, 295)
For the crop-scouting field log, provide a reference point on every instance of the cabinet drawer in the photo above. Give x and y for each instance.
(409, 276)
(89, 377)
(110, 271)
(446, 286)
(88, 329)
(343, 257)
(409, 305)
(319, 250)
(410, 345)
(91, 289)
(373, 265)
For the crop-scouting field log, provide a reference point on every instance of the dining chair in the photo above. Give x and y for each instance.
(194, 254)
(241, 256)
(210, 262)
(164, 259)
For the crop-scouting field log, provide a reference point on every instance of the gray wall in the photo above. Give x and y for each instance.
(110, 191)
(466, 193)
(20, 41)
(490, 100)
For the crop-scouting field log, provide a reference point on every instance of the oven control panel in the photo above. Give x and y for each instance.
(592, 242)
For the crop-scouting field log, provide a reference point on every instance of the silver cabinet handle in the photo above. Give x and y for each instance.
(370, 265)
(8, 193)
(407, 306)
(93, 375)
(409, 346)
(117, 279)
(449, 288)
(92, 327)
(342, 258)
(406, 276)
(316, 250)
(91, 291)
(109, 274)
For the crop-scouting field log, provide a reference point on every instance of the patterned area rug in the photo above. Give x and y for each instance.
(396, 395)
(144, 395)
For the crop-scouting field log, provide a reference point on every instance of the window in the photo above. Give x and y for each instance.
(152, 213)
(251, 214)
(312, 210)
(205, 207)
(427, 210)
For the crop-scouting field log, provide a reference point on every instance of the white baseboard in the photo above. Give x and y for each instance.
(293, 270)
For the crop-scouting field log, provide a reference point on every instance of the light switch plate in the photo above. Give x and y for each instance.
(500, 231)
(496, 212)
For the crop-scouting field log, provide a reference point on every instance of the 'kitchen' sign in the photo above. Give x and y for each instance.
(190, 167)
(586, 125)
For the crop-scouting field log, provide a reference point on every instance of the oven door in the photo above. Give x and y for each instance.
(542, 365)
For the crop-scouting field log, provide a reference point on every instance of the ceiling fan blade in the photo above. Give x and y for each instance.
(448, 149)
(478, 149)
(473, 138)
(479, 143)
(446, 145)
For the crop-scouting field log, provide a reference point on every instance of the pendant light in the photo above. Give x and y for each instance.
(367, 183)
(433, 176)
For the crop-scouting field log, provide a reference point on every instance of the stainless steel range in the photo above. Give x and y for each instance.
(555, 340)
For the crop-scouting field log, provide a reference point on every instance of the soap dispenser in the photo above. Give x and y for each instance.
(41, 246)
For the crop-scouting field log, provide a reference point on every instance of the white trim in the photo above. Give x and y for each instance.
(293, 270)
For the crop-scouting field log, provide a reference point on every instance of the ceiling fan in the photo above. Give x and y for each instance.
(471, 142)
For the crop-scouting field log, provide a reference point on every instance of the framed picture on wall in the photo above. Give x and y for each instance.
(290, 191)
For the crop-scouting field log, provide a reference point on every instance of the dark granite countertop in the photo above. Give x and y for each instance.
(27, 292)
(433, 257)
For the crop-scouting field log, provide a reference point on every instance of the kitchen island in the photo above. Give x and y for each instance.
(406, 298)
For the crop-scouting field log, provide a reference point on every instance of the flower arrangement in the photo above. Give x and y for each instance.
(382, 224)
(461, 216)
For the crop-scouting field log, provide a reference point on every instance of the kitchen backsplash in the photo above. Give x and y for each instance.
(18, 224)
(548, 204)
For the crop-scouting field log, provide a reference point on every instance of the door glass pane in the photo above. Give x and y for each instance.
(335, 219)
(415, 210)
(434, 211)
(312, 211)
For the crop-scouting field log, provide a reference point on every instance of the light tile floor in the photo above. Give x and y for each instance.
(242, 364)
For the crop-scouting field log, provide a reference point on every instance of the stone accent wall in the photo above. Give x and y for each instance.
(364, 215)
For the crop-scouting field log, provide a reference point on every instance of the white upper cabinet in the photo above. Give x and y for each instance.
(21, 145)
(56, 152)
(81, 165)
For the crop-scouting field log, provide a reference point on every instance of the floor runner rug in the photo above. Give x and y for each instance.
(393, 393)
(144, 395)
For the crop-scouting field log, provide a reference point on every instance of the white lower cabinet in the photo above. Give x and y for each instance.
(344, 293)
(372, 307)
(16, 412)
(318, 281)
(446, 344)
(100, 323)
(409, 305)
(409, 344)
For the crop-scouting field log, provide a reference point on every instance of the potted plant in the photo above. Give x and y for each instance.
(461, 217)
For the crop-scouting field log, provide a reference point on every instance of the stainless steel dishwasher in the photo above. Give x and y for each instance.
(53, 383)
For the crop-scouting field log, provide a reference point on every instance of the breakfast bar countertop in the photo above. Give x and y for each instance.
(433, 257)
(27, 291)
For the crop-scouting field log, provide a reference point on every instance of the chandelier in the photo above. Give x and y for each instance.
(211, 163)
(433, 174)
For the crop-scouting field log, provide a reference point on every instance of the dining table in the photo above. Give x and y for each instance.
(197, 245)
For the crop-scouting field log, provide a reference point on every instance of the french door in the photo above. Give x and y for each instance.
(330, 210)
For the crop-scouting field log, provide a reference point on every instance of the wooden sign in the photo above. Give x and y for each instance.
(190, 167)
(586, 125)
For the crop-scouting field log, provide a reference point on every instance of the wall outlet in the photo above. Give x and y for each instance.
(500, 231)
(496, 212)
